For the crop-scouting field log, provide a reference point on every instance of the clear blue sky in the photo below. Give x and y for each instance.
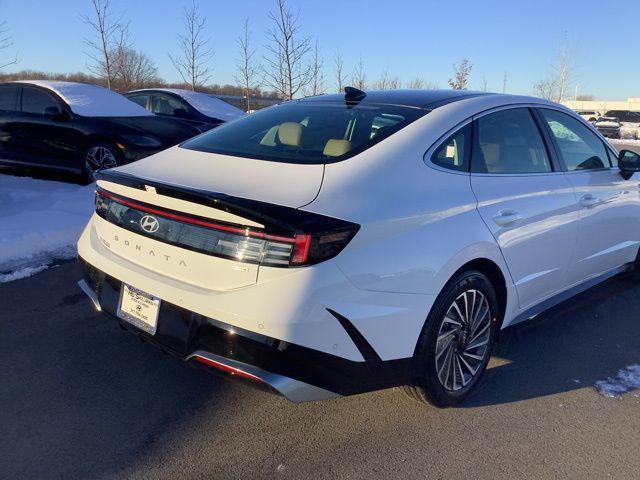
(409, 37)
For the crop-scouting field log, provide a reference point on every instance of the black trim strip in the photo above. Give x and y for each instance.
(368, 352)
(277, 219)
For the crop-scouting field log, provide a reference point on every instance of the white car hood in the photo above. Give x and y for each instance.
(279, 183)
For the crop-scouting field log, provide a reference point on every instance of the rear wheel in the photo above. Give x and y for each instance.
(456, 343)
(99, 156)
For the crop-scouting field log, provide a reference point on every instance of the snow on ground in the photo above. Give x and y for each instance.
(625, 380)
(40, 222)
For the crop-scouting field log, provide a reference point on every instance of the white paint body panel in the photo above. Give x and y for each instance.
(419, 225)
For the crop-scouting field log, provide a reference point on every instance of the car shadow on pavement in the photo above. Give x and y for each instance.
(571, 346)
(79, 396)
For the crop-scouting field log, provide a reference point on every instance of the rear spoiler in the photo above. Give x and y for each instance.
(277, 219)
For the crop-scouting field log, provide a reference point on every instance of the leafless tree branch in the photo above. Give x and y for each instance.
(461, 74)
(247, 70)
(285, 68)
(192, 61)
(100, 49)
(341, 77)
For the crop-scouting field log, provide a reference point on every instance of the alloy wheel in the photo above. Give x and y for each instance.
(99, 158)
(463, 340)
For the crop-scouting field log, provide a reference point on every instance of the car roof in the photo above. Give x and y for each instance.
(89, 100)
(427, 99)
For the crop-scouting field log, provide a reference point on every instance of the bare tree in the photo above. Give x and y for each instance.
(359, 78)
(395, 83)
(555, 86)
(563, 68)
(461, 74)
(285, 63)
(416, 84)
(247, 70)
(316, 75)
(547, 89)
(341, 78)
(383, 82)
(105, 27)
(131, 69)
(484, 84)
(6, 42)
(192, 61)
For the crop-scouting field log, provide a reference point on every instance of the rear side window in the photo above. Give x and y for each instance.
(454, 151)
(306, 132)
(580, 148)
(37, 101)
(509, 141)
(139, 99)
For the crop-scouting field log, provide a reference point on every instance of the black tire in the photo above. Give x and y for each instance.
(101, 146)
(426, 385)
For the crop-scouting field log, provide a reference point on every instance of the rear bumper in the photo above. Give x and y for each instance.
(294, 371)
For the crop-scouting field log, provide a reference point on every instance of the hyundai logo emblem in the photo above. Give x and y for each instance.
(149, 224)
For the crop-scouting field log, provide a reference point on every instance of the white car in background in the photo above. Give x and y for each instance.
(345, 243)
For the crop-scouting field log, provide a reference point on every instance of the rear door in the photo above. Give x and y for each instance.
(525, 201)
(609, 205)
(9, 106)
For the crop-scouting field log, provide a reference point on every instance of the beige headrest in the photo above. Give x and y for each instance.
(335, 147)
(289, 133)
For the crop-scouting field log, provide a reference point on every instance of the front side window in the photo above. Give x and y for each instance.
(37, 101)
(167, 105)
(9, 98)
(580, 148)
(306, 132)
(509, 141)
(454, 151)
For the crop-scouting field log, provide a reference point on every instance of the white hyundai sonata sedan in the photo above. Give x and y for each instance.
(346, 243)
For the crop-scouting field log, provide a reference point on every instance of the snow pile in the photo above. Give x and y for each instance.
(40, 222)
(92, 100)
(625, 380)
(615, 141)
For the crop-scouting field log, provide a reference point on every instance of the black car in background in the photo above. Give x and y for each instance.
(79, 127)
(202, 110)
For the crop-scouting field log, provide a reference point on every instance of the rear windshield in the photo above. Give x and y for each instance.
(306, 132)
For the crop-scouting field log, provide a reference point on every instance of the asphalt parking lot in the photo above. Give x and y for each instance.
(80, 398)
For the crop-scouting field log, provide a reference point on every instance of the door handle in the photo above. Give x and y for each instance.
(505, 218)
(589, 200)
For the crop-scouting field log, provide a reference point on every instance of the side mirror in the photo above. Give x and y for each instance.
(55, 113)
(628, 163)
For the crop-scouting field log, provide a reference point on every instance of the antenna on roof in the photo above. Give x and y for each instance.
(353, 94)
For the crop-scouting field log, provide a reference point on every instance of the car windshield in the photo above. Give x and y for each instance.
(306, 132)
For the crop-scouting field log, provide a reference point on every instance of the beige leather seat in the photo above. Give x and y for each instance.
(336, 147)
(290, 134)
